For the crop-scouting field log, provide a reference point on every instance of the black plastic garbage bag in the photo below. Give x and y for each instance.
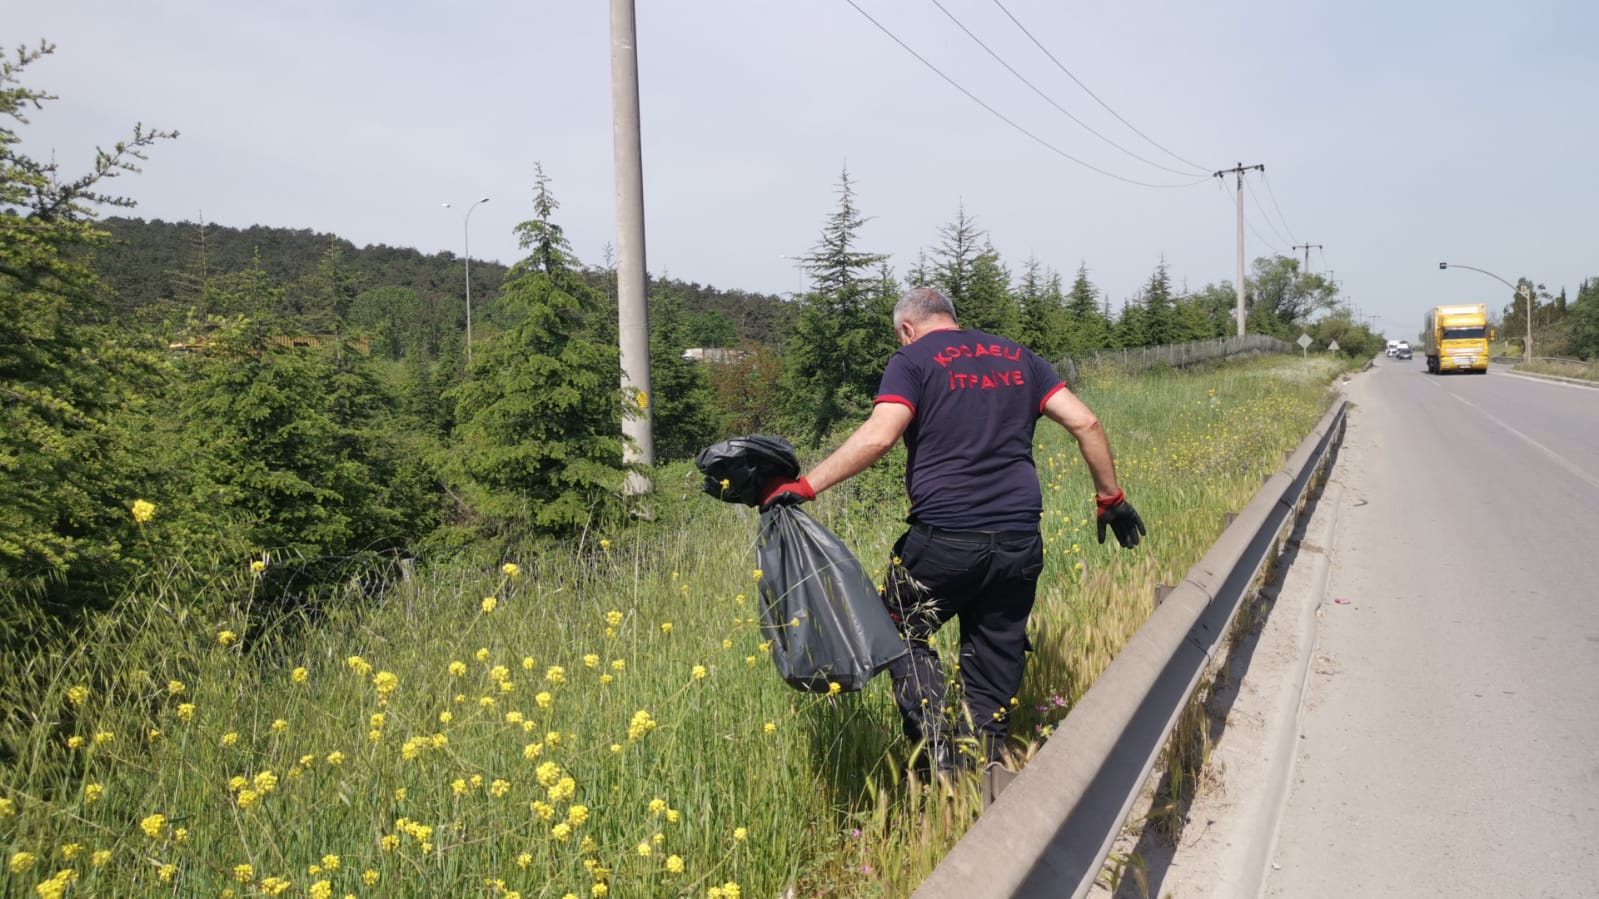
(824, 617)
(827, 624)
(744, 464)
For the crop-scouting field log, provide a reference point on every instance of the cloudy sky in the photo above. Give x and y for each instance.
(1395, 133)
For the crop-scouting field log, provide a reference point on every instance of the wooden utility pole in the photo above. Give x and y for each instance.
(1239, 170)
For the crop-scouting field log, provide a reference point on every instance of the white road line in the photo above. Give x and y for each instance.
(1560, 460)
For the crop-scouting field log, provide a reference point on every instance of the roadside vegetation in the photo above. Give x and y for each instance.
(295, 599)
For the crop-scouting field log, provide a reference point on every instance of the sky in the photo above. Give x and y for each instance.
(1394, 135)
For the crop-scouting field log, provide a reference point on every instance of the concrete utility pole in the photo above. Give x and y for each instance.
(1239, 170)
(1306, 247)
(632, 313)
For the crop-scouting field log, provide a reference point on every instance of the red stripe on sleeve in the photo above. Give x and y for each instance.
(1056, 389)
(891, 398)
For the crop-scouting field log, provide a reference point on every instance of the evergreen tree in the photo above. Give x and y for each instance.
(989, 304)
(1132, 327)
(685, 415)
(1044, 329)
(1089, 328)
(953, 259)
(538, 436)
(832, 357)
(65, 496)
(1156, 302)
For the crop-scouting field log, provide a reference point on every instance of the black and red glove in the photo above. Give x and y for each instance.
(778, 492)
(1119, 514)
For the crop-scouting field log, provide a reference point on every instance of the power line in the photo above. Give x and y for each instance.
(1247, 223)
(1048, 99)
(1001, 116)
(1074, 78)
(1255, 198)
(1273, 194)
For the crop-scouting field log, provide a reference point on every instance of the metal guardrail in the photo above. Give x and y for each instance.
(1049, 833)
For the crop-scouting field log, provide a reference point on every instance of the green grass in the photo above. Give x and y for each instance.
(435, 749)
(1565, 368)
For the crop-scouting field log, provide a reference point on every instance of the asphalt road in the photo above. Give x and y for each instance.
(1449, 740)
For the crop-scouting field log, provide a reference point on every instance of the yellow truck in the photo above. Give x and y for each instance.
(1457, 338)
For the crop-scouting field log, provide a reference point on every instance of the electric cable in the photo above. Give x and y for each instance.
(1074, 78)
(1280, 217)
(1047, 98)
(1002, 117)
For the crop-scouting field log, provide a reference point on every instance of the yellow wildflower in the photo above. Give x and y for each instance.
(279, 725)
(757, 574)
(666, 627)
(543, 809)
(834, 688)
(489, 604)
(359, 665)
(499, 788)
(673, 816)
(458, 787)
(605, 545)
(70, 851)
(227, 638)
(770, 727)
(528, 664)
(544, 699)
(510, 570)
(22, 862)
(698, 672)
(561, 831)
(376, 720)
(321, 890)
(181, 835)
(740, 834)
(482, 654)
(644, 850)
(143, 511)
(92, 793)
(457, 669)
(185, 711)
(599, 890)
(657, 805)
(618, 665)
(556, 675)
(257, 566)
(153, 826)
(175, 687)
(591, 661)
(167, 872)
(523, 860)
(370, 877)
(299, 675)
(100, 858)
(75, 742)
(674, 864)
(248, 798)
(577, 814)
(386, 682)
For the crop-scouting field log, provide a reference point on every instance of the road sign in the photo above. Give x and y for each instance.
(1304, 342)
(1332, 347)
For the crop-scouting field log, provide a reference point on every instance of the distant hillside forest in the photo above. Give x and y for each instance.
(156, 271)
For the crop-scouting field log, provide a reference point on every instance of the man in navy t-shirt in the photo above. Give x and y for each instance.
(966, 403)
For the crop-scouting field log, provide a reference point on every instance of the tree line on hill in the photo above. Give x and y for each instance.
(155, 422)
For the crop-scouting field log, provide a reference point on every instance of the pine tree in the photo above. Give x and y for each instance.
(953, 259)
(1089, 327)
(989, 304)
(538, 433)
(1156, 303)
(1044, 329)
(64, 497)
(832, 358)
(684, 408)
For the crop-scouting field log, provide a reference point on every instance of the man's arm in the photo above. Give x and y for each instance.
(876, 436)
(1065, 409)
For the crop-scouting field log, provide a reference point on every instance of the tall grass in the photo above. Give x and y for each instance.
(596, 719)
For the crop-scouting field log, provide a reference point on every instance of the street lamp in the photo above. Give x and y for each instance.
(466, 235)
(1526, 294)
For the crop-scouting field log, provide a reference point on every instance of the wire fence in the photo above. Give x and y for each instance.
(1176, 355)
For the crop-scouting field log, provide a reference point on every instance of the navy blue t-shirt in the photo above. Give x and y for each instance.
(976, 398)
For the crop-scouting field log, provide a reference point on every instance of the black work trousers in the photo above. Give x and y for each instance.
(988, 581)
